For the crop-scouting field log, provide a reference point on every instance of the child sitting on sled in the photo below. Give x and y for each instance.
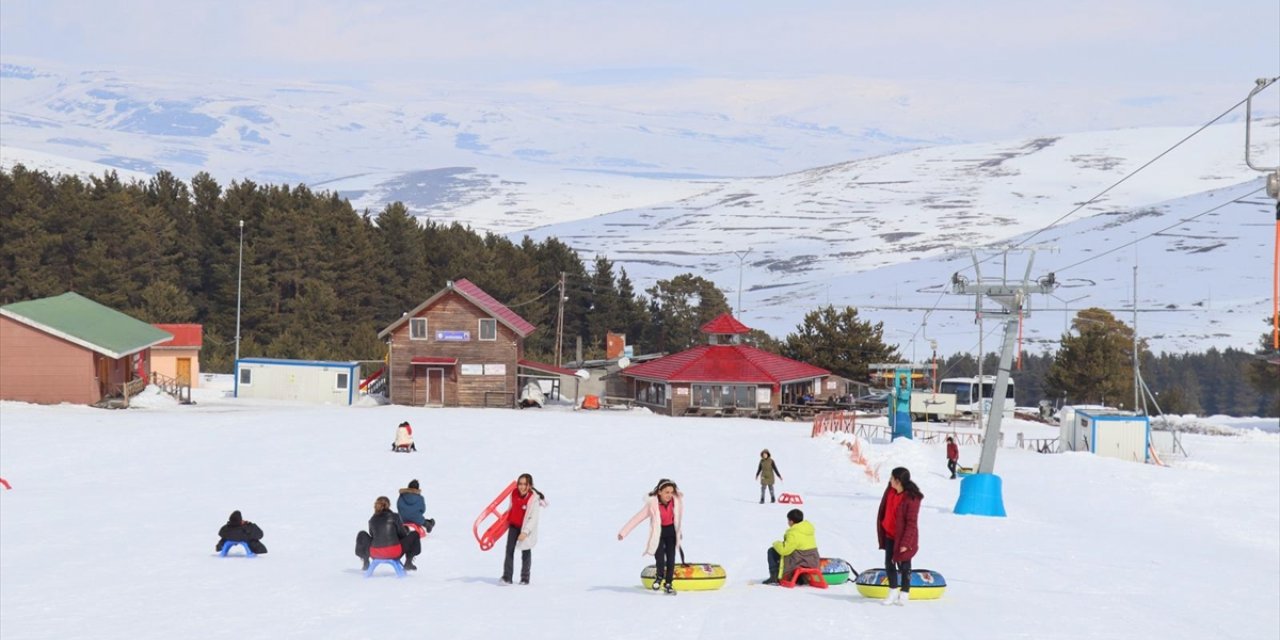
(404, 439)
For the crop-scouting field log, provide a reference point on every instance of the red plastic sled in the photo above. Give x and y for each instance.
(499, 527)
(790, 498)
(5, 483)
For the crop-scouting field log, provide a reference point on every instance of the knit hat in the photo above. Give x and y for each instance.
(235, 518)
(413, 484)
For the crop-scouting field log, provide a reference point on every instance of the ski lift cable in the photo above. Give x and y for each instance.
(1120, 181)
(1160, 231)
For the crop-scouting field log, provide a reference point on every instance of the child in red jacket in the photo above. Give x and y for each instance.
(953, 456)
(897, 532)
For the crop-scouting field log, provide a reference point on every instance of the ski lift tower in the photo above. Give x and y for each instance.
(1273, 190)
(982, 493)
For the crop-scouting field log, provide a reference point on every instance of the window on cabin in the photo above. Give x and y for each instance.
(246, 376)
(418, 329)
(343, 382)
(488, 329)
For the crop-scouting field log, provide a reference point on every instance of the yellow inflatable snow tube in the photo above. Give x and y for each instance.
(689, 577)
(925, 584)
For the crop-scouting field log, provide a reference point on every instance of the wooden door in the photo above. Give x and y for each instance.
(103, 367)
(435, 387)
(184, 371)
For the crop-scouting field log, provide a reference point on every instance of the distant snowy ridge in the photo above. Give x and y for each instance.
(891, 230)
(54, 164)
(498, 160)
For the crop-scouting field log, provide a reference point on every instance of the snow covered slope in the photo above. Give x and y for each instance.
(885, 231)
(111, 532)
(51, 163)
(497, 159)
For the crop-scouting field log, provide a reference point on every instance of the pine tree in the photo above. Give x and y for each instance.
(1264, 374)
(680, 307)
(1095, 365)
(606, 307)
(840, 342)
(164, 302)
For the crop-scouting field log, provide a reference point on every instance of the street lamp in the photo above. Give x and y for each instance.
(742, 258)
(239, 280)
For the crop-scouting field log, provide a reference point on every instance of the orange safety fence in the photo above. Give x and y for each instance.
(856, 457)
(845, 422)
(834, 421)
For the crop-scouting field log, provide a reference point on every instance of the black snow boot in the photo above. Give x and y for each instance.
(409, 566)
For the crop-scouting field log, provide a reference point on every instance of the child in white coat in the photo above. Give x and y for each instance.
(522, 528)
(664, 508)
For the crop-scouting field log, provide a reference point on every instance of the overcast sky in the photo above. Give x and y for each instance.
(1100, 63)
(1187, 42)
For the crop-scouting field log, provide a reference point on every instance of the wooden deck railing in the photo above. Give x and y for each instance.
(179, 389)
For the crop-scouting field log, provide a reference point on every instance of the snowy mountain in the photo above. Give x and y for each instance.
(649, 185)
(891, 231)
(499, 160)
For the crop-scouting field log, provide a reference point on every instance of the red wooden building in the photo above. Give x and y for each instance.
(722, 377)
(460, 348)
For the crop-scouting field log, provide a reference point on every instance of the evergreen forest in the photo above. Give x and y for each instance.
(320, 279)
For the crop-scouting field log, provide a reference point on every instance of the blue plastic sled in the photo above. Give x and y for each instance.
(226, 546)
(394, 564)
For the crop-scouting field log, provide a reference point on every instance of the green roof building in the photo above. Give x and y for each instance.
(68, 348)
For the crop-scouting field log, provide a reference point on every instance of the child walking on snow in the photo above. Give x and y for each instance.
(522, 528)
(765, 472)
(664, 508)
(953, 456)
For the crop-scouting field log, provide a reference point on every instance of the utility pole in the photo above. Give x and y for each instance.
(1137, 378)
(239, 281)
(981, 494)
(560, 321)
(742, 258)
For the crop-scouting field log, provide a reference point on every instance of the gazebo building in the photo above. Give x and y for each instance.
(722, 377)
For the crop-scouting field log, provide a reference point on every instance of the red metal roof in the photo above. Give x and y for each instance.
(725, 363)
(433, 360)
(546, 368)
(499, 310)
(185, 336)
(476, 296)
(725, 323)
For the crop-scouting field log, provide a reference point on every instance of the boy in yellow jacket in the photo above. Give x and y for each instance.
(798, 548)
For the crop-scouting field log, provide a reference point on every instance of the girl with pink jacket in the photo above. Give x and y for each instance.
(664, 508)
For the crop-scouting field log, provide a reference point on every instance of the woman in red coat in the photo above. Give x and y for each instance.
(897, 533)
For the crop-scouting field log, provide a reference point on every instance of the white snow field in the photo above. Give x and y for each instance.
(110, 527)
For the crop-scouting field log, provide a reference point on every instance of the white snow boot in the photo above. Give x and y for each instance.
(892, 598)
(903, 597)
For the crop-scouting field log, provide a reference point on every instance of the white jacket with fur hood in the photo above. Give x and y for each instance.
(650, 511)
(532, 510)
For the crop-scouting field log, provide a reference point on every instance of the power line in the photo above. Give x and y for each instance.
(1121, 180)
(1154, 233)
(540, 296)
